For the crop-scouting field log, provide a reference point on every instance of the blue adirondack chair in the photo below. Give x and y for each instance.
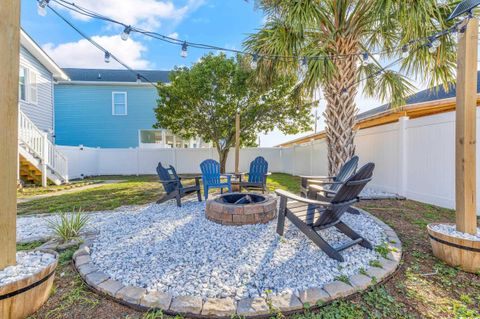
(212, 178)
(257, 176)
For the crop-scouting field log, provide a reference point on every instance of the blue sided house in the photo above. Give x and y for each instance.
(111, 109)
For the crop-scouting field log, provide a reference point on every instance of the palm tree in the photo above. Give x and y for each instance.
(335, 35)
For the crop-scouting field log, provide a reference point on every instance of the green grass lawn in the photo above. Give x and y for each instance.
(133, 190)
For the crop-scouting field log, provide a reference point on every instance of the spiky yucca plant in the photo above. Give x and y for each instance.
(342, 30)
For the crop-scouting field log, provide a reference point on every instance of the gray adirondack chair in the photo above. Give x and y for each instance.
(321, 187)
(257, 175)
(310, 216)
(173, 186)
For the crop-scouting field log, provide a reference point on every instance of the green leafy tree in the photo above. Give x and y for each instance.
(202, 101)
(340, 31)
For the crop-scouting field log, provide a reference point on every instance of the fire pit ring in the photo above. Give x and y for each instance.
(241, 209)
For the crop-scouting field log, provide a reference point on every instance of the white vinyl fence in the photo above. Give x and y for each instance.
(413, 157)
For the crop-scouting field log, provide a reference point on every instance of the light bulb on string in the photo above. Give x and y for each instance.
(344, 94)
(42, 7)
(254, 62)
(303, 69)
(126, 33)
(107, 57)
(139, 79)
(184, 52)
(435, 42)
(405, 52)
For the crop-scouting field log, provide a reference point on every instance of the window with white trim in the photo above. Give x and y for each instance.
(119, 103)
(22, 84)
(32, 88)
(28, 85)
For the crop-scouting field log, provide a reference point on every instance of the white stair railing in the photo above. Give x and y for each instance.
(38, 143)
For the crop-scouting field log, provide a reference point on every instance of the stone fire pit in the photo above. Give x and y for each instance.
(241, 209)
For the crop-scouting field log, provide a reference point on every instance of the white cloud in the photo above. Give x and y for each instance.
(141, 13)
(173, 35)
(83, 54)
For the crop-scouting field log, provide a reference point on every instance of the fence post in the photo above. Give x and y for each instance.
(402, 155)
(311, 156)
(44, 159)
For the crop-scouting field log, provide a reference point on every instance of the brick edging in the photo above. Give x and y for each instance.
(259, 307)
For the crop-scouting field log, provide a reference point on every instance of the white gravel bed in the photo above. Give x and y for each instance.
(452, 231)
(177, 250)
(28, 264)
(370, 193)
(35, 227)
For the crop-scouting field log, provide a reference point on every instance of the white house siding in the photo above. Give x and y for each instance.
(41, 113)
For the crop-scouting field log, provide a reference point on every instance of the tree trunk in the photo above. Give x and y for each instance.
(223, 155)
(341, 110)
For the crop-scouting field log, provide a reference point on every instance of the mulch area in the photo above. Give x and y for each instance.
(426, 287)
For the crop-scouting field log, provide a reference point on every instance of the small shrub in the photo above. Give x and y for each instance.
(68, 226)
(375, 263)
(382, 250)
(343, 278)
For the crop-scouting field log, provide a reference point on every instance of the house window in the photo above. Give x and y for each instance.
(119, 103)
(151, 137)
(32, 89)
(28, 86)
(22, 85)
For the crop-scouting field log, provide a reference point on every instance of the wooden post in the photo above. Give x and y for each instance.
(465, 139)
(9, 64)
(237, 142)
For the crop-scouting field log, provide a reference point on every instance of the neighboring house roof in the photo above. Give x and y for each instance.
(28, 43)
(115, 76)
(427, 102)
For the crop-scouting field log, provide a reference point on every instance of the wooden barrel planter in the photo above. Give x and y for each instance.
(457, 252)
(24, 297)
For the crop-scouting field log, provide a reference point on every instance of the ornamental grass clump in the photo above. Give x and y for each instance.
(69, 225)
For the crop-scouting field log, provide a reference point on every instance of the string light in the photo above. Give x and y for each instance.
(126, 33)
(344, 93)
(184, 52)
(107, 57)
(89, 13)
(42, 7)
(254, 62)
(365, 58)
(139, 79)
(304, 67)
(435, 42)
(431, 48)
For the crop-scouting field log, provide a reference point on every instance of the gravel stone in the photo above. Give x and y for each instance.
(338, 289)
(28, 263)
(214, 307)
(187, 304)
(452, 231)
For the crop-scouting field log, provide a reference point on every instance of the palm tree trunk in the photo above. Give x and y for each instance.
(341, 110)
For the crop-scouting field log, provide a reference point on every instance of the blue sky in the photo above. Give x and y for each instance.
(225, 23)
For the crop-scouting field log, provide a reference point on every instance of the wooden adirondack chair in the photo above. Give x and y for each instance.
(257, 175)
(173, 186)
(310, 215)
(212, 178)
(326, 185)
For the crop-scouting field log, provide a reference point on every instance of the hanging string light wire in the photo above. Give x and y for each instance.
(429, 41)
(105, 51)
(401, 49)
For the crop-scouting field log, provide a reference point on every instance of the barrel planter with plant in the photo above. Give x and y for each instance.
(25, 287)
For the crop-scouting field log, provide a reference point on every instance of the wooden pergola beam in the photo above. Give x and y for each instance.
(465, 137)
(9, 65)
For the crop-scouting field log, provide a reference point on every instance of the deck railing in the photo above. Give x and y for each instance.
(38, 143)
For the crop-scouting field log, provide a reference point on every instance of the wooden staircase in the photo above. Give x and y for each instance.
(39, 160)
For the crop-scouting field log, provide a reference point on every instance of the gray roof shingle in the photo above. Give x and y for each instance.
(431, 94)
(107, 75)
